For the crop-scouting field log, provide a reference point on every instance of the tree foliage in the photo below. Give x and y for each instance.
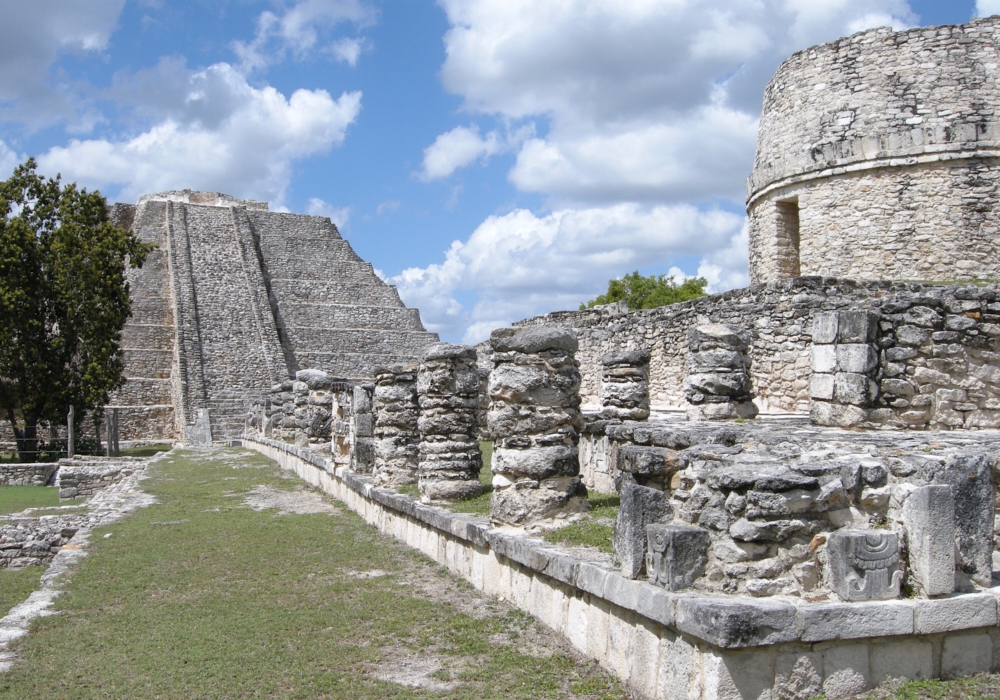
(64, 300)
(643, 292)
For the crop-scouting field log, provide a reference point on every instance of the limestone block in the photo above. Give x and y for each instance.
(798, 676)
(824, 327)
(823, 359)
(857, 326)
(643, 462)
(864, 564)
(929, 519)
(718, 384)
(859, 358)
(821, 386)
(640, 506)
(717, 335)
(827, 621)
(846, 671)
(676, 555)
(964, 655)
(527, 500)
(972, 485)
(538, 462)
(733, 623)
(958, 613)
(854, 389)
(907, 659)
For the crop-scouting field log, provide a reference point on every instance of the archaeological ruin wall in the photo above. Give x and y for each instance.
(878, 157)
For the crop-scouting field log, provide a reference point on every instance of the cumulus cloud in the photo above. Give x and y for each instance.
(985, 8)
(457, 148)
(300, 31)
(32, 36)
(212, 131)
(338, 215)
(8, 160)
(646, 108)
(521, 263)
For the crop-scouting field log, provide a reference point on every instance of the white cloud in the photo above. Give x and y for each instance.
(299, 29)
(456, 149)
(32, 36)
(9, 160)
(387, 207)
(646, 117)
(221, 134)
(338, 215)
(985, 8)
(521, 264)
(347, 50)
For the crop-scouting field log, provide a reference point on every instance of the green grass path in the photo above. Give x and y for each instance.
(14, 499)
(200, 596)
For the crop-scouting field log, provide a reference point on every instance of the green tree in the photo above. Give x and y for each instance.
(643, 292)
(64, 300)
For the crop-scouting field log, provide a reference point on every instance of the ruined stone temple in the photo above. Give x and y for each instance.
(235, 299)
(878, 157)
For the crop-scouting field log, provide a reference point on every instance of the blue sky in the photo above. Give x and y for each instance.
(492, 158)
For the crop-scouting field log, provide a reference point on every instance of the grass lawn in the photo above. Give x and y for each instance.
(146, 450)
(14, 499)
(982, 687)
(201, 596)
(16, 585)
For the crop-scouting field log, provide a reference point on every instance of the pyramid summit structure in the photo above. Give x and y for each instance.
(236, 298)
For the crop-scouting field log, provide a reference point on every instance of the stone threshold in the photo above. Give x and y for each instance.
(718, 627)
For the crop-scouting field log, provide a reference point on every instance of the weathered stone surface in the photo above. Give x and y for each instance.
(534, 418)
(864, 564)
(971, 481)
(640, 506)
(675, 555)
(449, 460)
(929, 519)
(536, 339)
(734, 624)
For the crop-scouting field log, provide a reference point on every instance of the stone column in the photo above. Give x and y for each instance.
(397, 438)
(718, 383)
(625, 385)
(314, 415)
(842, 387)
(362, 453)
(535, 419)
(448, 394)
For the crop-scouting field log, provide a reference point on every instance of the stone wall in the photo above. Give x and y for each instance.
(877, 158)
(82, 477)
(963, 348)
(27, 474)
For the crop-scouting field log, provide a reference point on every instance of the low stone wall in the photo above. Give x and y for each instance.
(27, 474)
(686, 645)
(33, 541)
(82, 477)
(931, 338)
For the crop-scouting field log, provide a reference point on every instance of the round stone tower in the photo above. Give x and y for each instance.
(879, 157)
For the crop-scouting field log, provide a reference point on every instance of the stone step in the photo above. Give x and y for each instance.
(153, 364)
(350, 316)
(329, 292)
(143, 391)
(363, 341)
(141, 336)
